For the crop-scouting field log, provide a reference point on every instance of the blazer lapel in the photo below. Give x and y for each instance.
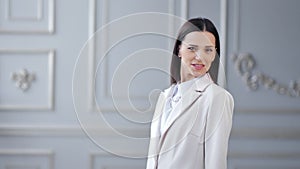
(187, 101)
(188, 98)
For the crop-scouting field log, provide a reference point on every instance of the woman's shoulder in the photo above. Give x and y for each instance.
(218, 96)
(215, 90)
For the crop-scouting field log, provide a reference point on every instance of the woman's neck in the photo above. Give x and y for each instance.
(185, 76)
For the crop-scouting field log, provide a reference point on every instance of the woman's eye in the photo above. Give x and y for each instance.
(192, 49)
(208, 50)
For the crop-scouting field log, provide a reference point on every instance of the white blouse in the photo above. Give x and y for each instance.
(174, 99)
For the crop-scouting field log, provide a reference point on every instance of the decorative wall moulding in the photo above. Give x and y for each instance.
(64, 131)
(27, 16)
(27, 158)
(39, 93)
(245, 66)
(262, 157)
(101, 160)
(23, 79)
(33, 8)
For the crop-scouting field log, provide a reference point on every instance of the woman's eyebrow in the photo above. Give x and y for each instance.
(207, 46)
(210, 46)
(193, 45)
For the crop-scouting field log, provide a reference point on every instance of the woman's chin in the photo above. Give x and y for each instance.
(198, 74)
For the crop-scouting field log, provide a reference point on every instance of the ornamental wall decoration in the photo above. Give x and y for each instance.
(245, 66)
(23, 79)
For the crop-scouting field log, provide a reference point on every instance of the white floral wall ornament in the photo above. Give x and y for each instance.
(245, 64)
(23, 79)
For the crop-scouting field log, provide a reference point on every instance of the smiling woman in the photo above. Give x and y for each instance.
(206, 30)
(193, 118)
(197, 53)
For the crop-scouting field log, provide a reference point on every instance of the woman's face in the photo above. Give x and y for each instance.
(197, 51)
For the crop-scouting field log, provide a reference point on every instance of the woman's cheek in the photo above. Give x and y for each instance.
(206, 61)
(209, 60)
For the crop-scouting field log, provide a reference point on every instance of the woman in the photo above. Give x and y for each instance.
(193, 117)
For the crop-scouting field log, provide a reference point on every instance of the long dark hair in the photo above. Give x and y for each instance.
(192, 25)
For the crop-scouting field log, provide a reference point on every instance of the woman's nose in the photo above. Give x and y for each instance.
(198, 55)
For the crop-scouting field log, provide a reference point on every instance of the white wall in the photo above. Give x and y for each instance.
(266, 129)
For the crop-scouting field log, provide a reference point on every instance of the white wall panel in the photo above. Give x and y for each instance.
(264, 163)
(104, 12)
(38, 63)
(264, 34)
(26, 159)
(32, 10)
(27, 16)
(103, 161)
(266, 123)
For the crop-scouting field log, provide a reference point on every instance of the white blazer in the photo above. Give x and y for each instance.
(197, 137)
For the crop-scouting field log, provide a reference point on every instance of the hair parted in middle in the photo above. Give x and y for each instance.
(192, 25)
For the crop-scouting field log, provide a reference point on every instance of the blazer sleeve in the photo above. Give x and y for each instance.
(217, 131)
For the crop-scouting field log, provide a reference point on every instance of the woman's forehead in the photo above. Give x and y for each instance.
(200, 38)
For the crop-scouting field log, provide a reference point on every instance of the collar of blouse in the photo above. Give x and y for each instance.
(198, 84)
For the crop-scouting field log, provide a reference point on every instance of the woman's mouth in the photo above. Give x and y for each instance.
(198, 66)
